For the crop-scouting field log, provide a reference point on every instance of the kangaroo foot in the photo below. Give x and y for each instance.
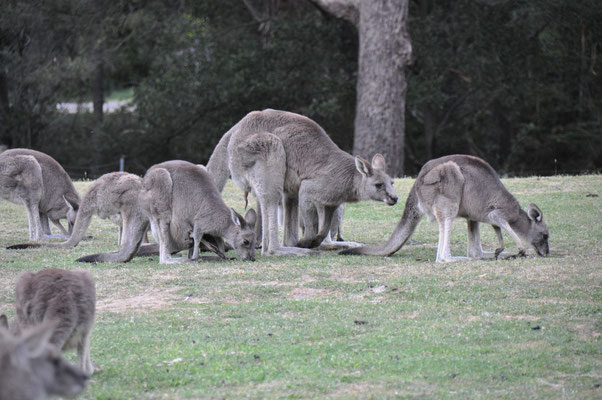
(53, 236)
(339, 245)
(451, 259)
(308, 243)
(291, 251)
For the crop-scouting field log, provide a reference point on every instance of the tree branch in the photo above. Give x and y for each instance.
(345, 9)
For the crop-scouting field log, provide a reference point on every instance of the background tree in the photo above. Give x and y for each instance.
(516, 82)
(384, 52)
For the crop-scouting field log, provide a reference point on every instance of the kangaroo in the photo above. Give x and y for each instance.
(278, 154)
(183, 203)
(68, 298)
(36, 180)
(464, 186)
(113, 196)
(32, 369)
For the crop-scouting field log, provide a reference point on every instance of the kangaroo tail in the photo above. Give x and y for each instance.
(405, 228)
(82, 222)
(128, 251)
(218, 162)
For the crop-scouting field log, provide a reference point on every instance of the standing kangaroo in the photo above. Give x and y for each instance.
(183, 203)
(32, 369)
(114, 196)
(66, 298)
(36, 180)
(277, 154)
(467, 187)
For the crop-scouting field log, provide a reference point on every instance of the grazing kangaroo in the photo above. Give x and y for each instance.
(36, 180)
(183, 204)
(467, 187)
(277, 154)
(114, 196)
(32, 369)
(66, 298)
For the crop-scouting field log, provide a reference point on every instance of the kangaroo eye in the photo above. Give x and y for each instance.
(379, 185)
(245, 242)
(545, 237)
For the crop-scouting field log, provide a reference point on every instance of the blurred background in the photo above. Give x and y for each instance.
(89, 82)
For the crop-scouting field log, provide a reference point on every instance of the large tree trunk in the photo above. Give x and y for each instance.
(384, 52)
(98, 95)
(5, 138)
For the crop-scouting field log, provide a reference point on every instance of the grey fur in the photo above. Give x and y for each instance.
(113, 196)
(36, 180)
(467, 187)
(277, 154)
(32, 369)
(183, 204)
(65, 298)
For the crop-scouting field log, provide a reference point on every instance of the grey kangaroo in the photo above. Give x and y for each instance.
(32, 369)
(113, 196)
(183, 205)
(277, 154)
(467, 187)
(36, 180)
(65, 298)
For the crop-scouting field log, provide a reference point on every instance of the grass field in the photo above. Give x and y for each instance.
(349, 327)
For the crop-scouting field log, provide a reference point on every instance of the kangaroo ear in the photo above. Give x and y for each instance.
(378, 162)
(237, 218)
(251, 217)
(363, 166)
(3, 321)
(534, 213)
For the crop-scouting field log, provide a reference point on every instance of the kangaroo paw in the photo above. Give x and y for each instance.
(498, 252)
(521, 253)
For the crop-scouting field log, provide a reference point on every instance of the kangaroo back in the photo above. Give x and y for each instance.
(218, 162)
(68, 299)
(57, 184)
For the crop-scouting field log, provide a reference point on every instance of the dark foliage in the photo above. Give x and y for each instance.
(516, 82)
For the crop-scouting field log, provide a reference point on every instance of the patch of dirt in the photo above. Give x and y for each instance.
(150, 300)
(302, 293)
(586, 331)
(520, 317)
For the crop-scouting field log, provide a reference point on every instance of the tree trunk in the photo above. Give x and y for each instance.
(384, 52)
(98, 95)
(5, 138)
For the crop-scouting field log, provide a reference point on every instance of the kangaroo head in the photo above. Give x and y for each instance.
(376, 184)
(30, 367)
(244, 241)
(538, 231)
(72, 208)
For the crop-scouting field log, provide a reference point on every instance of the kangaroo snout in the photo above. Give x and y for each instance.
(391, 200)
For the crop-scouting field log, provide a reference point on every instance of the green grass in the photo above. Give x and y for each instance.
(349, 327)
(122, 94)
(115, 95)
